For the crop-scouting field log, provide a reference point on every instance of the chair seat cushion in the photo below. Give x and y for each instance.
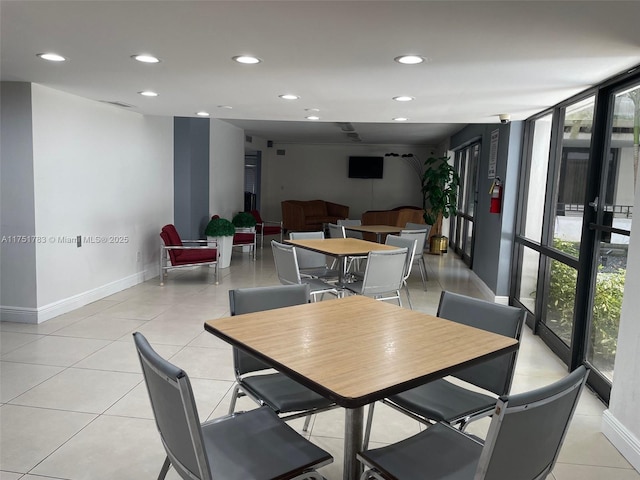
(243, 238)
(202, 255)
(438, 453)
(441, 400)
(269, 230)
(258, 445)
(283, 394)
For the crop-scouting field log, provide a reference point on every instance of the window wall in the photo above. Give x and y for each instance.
(574, 222)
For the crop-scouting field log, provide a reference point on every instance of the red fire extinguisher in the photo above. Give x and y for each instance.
(496, 196)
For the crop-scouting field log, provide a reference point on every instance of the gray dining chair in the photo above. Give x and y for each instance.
(383, 275)
(243, 446)
(286, 397)
(410, 244)
(289, 274)
(313, 264)
(443, 400)
(354, 263)
(345, 222)
(420, 232)
(523, 442)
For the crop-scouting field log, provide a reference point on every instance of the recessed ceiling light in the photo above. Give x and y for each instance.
(144, 58)
(400, 119)
(246, 59)
(202, 114)
(289, 96)
(148, 93)
(311, 109)
(228, 107)
(409, 59)
(403, 98)
(52, 57)
(312, 117)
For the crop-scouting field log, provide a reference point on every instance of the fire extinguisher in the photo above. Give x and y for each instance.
(496, 196)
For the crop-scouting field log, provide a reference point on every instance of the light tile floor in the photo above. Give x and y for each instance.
(74, 406)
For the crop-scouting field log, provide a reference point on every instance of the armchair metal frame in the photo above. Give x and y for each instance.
(167, 263)
(244, 446)
(525, 436)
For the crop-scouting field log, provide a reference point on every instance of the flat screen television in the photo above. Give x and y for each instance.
(366, 167)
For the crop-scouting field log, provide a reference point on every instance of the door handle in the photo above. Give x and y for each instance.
(595, 204)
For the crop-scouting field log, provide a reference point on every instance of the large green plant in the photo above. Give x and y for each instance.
(439, 189)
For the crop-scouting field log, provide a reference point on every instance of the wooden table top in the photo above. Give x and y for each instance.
(378, 229)
(357, 350)
(340, 246)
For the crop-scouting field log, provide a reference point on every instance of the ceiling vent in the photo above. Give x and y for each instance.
(280, 152)
(117, 104)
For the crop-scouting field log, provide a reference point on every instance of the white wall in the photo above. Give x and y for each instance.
(99, 172)
(309, 172)
(226, 169)
(621, 422)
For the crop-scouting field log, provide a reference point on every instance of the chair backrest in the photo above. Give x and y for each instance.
(527, 430)
(384, 272)
(175, 412)
(496, 374)
(351, 222)
(171, 238)
(410, 244)
(336, 231)
(256, 215)
(307, 258)
(258, 299)
(419, 234)
(286, 262)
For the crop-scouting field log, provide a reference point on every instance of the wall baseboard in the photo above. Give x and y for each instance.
(621, 438)
(47, 312)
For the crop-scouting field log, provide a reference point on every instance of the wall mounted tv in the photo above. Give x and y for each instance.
(366, 167)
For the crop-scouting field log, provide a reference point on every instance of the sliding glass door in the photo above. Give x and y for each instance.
(575, 214)
(462, 224)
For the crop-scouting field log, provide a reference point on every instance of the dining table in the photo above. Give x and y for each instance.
(378, 230)
(357, 350)
(341, 249)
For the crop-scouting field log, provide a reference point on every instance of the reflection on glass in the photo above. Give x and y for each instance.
(529, 278)
(472, 169)
(561, 299)
(537, 178)
(572, 180)
(469, 241)
(621, 173)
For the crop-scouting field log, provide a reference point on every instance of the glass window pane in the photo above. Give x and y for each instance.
(472, 174)
(469, 238)
(572, 178)
(607, 302)
(537, 178)
(529, 278)
(561, 300)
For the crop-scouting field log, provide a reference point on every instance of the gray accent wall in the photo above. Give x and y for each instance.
(191, 176)
(18, 285)
(494, 233)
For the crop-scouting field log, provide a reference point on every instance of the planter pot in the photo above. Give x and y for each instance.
(438, 245)
(225, 245)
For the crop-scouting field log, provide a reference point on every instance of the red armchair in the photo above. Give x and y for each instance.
(264, 227)
(174, 254)
(245, 237)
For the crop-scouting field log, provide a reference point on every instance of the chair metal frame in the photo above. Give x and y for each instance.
(501, 387)
(244, 364)
(379, 268)
(546, 411)
(184, 443)
(165, 258)
(286, 262)
(419, 257)
(411, 245)
(252, 245)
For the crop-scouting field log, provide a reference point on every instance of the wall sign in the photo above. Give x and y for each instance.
(493, 154)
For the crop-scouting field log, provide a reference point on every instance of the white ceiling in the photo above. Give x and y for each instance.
(486, 58)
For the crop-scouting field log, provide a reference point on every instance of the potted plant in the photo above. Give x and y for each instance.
(440, 197)
(244, 222)
(221, 230)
